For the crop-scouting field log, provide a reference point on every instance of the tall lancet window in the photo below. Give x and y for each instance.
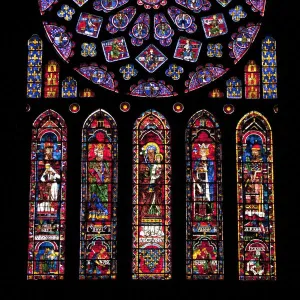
(255, 194)
(47, 204)
(99, 195)
(269, 68)
(151, 197)
(34, 69)
(204, 197)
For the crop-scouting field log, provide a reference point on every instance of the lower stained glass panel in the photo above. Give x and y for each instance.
(47, 204)
(99, 198)
(255, 192)
(204, 196)
(151, 197)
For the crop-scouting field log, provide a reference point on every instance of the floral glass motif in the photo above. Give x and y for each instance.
(252, 80)
(237, 13)
(99, 195)
(174, 71)
(66, 12)
(255, 194)
(34, 69)
(234, 88)
(51, 85)
(151, 197)
(88, 49)
(119, 27)
(214, 50)
(204, 197)
(69, 88)
(47, 203)
(128, 71)
(269, 68)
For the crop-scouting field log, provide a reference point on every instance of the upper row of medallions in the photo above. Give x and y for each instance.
(256, 78)
(78, 32)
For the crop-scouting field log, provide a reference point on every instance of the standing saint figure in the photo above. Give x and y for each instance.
(151, 175)
(254, 177)
(203, 174)
(51, 178)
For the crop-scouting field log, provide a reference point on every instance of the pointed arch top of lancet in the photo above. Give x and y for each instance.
(141, 121)
(110, 121)
(35, 43)
(246, 121)
(202, 113)
(50, 116)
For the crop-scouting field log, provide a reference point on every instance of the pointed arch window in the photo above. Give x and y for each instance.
(47, 204)
(69, 88)
(255, 194)
(151, 197)
(34, 70)
(51, 85)
(204, 197)
(99, 194)
(269, 68)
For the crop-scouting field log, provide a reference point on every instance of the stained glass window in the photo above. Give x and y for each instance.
(255, 194)
(69, 88)
(234, 88)
(204, 197)
(127, 41)
(86, 93)
(252, 80)
(99, 197)
(51, 85)
(269, 68)
(34, 70)
(47, 204)
(151, 197)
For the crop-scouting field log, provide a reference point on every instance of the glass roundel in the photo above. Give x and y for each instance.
(152, 48)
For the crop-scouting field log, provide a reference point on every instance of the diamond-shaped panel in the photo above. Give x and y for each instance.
(151, 58)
